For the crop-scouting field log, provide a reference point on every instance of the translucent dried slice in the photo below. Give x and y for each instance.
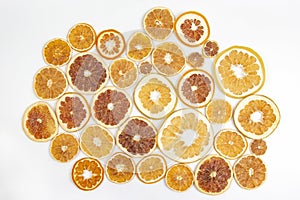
(179, 177)
(139, 46)
(195, 60)
(258, 147)
(210, 48)
(218, 111)
(145, 67)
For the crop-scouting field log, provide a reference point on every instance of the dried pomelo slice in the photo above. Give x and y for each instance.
(39, 122)
(168, 58)
(87, 73)
(210, 48)
(192, 28)
(139, 46)
(145, 67)
(256, 116)
(218, 111)
(239, 71)
(185, 136)
(213, 175)
(96, 141)
(195, 60)
(258, 147)
(179, 177)
(155, 96)
(87, 173)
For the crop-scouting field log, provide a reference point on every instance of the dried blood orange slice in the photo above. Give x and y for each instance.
(218, 111)
(196, 88)
(155, 96)
(210, 48)
(145, 67)
(258, 147)
(72, 111)
(256, 116)
(192, 28)
(195, 60)
(39, 122)
(213, 175)
(87, 73)
(139, 46)
(239, 71)
(179, 177)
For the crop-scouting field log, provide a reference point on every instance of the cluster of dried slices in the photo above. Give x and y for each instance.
(138, 73)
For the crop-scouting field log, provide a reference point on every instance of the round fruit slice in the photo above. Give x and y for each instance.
(249, 172)
(179, 177)
(82, 37)
(185, 136)
(230, 144)
(96, 141)
(159, 23)
(210, 48)
(120, 168)
(145, 67)
(139, 46)
(87, 73)
(64, 147)
(137, 137)
(192, 28)
(168, 59)
(151, 169)
(196, 88)
(111, 107)
(218, 111)
(87, 173)
(258, 147)
(256, 116)
(155, 96)
(213, 175)
(110, 44)
(39, 122)
(195, 60)
(239, 71)
(72, 112)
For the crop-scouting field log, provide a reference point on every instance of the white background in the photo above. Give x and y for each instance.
(26, 169)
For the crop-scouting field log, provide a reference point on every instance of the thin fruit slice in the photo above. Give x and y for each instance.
(195, 60)
(137, 137)
(145, 67)
(72, 111)
(39, 122)
(96, 141)
(249, 172)
(218, 111)
(139, 46)
(258, 147)
(239, 71)
(155, 96)
(213, 175)
(185, 136)
(179, 177)
(64, 147)
(256, 116)
(210, 48)
(87, 73)
(151, 169)
(192, 28)
(120, 168)
(87, 174)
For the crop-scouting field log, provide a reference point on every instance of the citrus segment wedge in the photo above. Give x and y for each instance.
(179, 177)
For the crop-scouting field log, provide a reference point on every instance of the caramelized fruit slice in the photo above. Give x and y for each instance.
(258, 147)
(139, 46)
(179, 177)
(218, 111)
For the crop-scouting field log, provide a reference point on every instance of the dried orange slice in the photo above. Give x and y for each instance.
(192, 28)
(145, 67)
(239, 71)
(96, 141)
(87, 73)
(72, 111)
(39, 122)
(179, 177)
(155, 96)
(195, 60)
(213, 175)
(256, 116)
(110, 44)
(82, 37)
(168, 59)
(218, 111)
(210, 48)
(258, 147)
(139, 46)
(87, 173)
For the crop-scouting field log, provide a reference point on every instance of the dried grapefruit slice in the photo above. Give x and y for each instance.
(258, 147)
(139, 46)
(218, 111)
(145, 67)
(210, 48)
(179, 177)
(195, 60)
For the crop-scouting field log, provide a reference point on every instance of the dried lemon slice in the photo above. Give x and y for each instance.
(218, 111)
(145, 67)
(195, 60)
(179, 177)
(210, 48)
(258, 147)
(139, 46)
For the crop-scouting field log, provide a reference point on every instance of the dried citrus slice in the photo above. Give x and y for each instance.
(179, 177)
(39, 122)
(213, 175)
(249, 172)
(82, 37)
(195, 60)
(64, 147)
(159, 23)
(151, 169)
(239, 71)
(87, 173)
(196, 88)
(137, 137)
(256, 116)
(139, 46)
(210, 48)
(87, 73)
(185, 136)
(145, 67)
(230, 144)
(218, 111)
(110, 44)
(192, 28)
(258, 147)
(168, 58)
(111, 107)
(120, 168)
(155, 96)
(72, 111)
(96, 141)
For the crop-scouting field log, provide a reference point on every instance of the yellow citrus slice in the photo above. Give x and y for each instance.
(239, 71)
(139, 46)
(258, 147)
(195, 60)
(179, 177)
(210, 48)
(145, 67)
(256, 116)
(218, 111)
